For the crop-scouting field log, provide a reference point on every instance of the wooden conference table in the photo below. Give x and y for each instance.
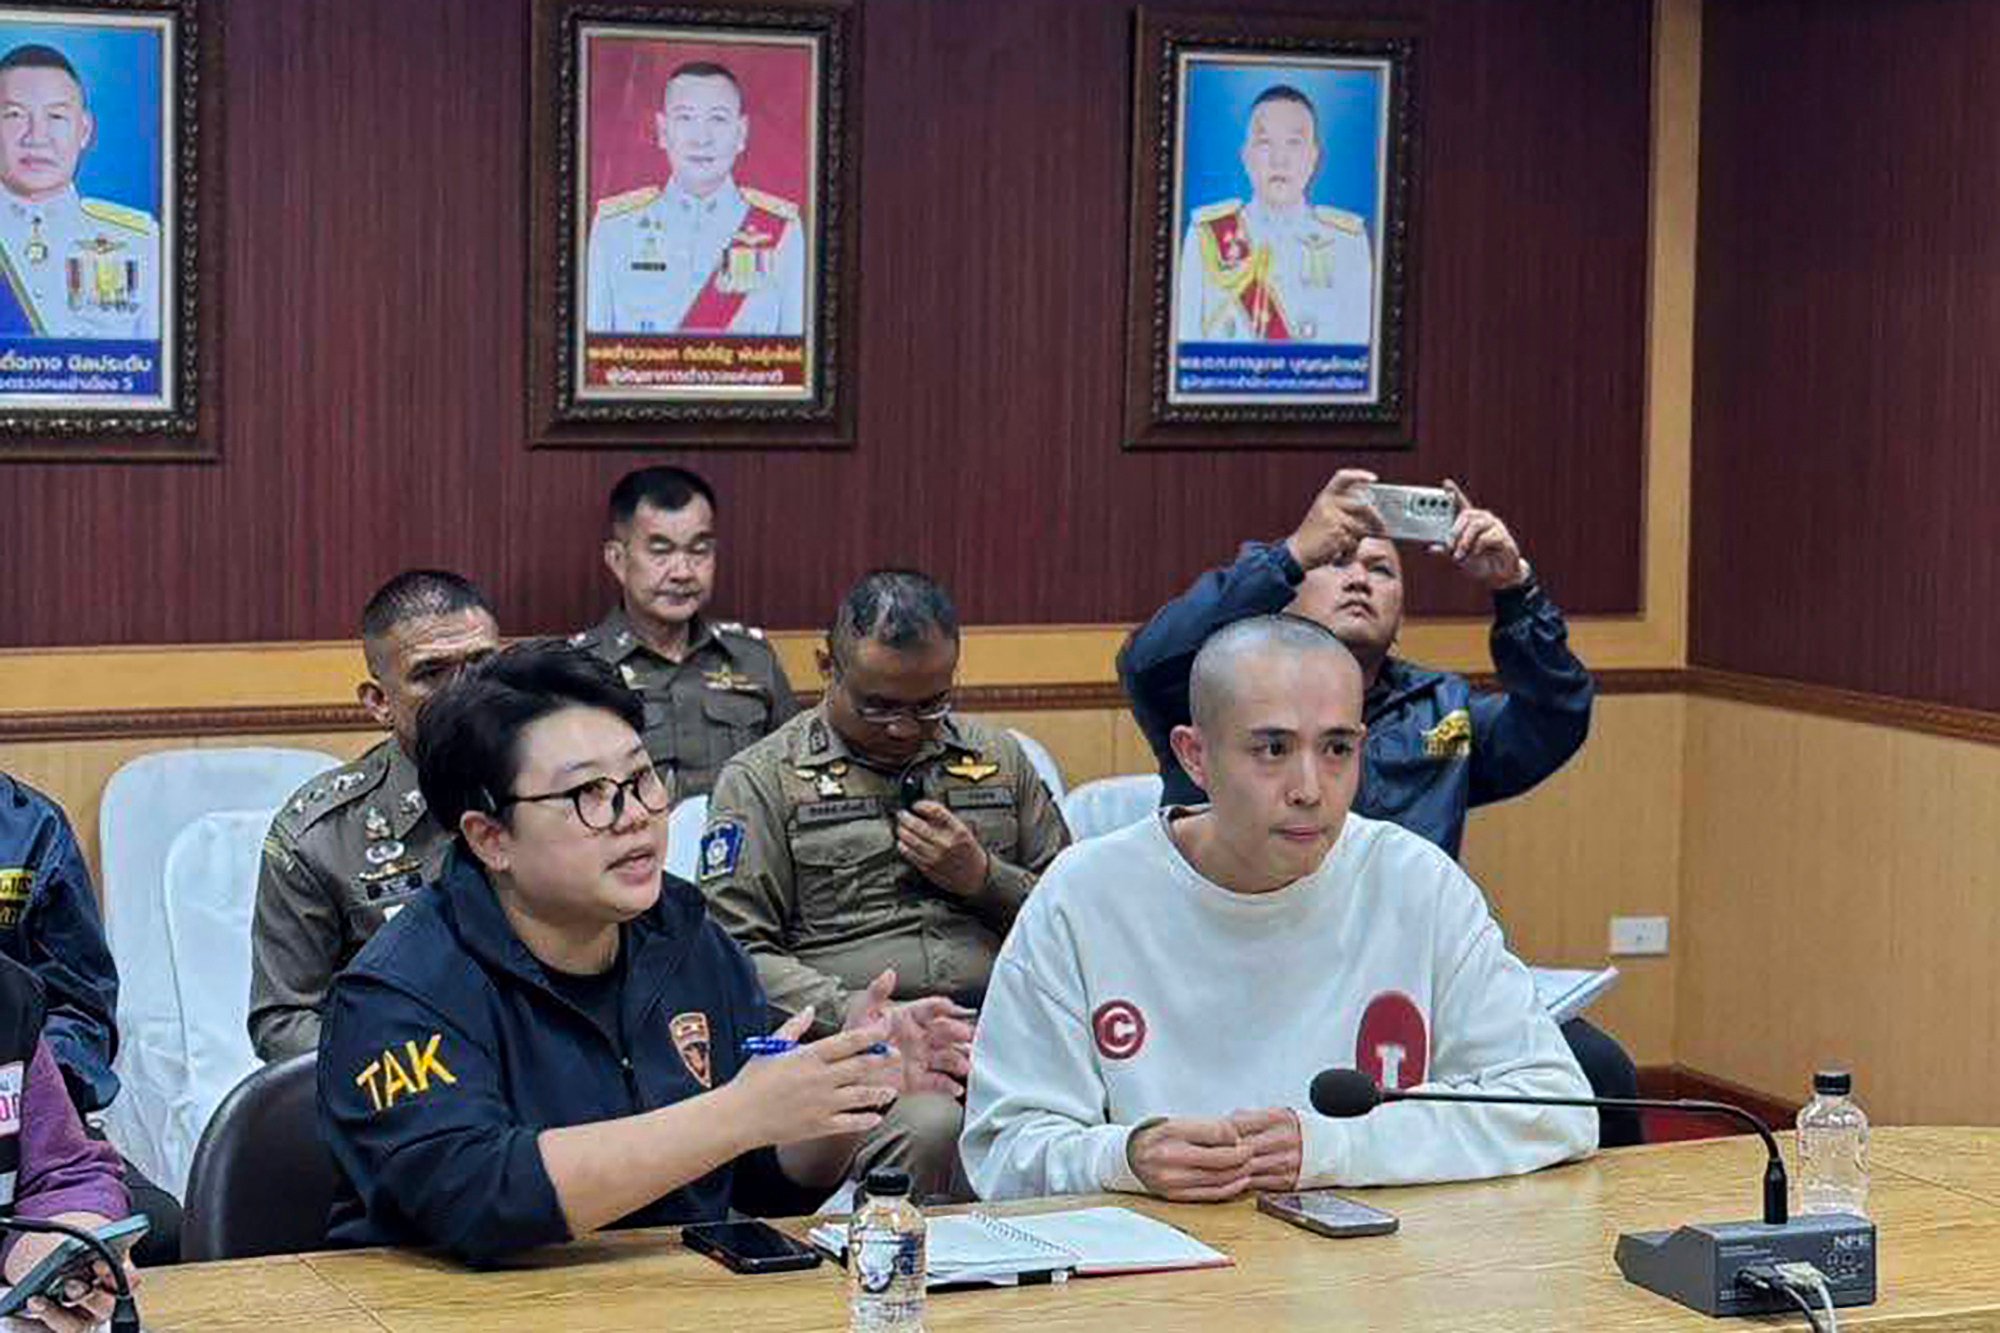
(1525, 1254)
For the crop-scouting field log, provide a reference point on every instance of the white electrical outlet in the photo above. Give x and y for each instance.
(1638, 936)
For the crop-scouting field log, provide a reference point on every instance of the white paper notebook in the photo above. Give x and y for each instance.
(1090, 1242)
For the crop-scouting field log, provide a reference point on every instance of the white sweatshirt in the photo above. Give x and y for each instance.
(1131, 988)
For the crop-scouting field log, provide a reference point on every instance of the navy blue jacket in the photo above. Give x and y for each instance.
(50, 925)
(1424, 766)
(445, 1052)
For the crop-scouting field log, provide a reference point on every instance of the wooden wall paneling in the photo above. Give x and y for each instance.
(1840, 903)
(1849, 313)
(1601, 838)
(376, 285)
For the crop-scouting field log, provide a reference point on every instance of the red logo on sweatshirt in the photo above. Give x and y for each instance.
(1392, 1045)
(1120, 1029)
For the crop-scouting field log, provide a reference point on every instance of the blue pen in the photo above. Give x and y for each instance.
(756, 1046)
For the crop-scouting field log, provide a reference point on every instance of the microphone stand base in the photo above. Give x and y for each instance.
(1698, 1265)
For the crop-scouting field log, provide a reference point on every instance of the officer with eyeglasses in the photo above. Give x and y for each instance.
(551, 1041)
(879, 846)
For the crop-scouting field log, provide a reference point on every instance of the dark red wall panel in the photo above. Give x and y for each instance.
(376, 270)
(1847, 427)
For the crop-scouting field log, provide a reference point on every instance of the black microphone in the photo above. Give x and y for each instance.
(1345, 1093)
(124, 1310)
(1685, 1265)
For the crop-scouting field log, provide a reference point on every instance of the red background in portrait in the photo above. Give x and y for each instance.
(628, 78)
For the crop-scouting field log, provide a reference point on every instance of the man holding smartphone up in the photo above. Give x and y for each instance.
(1435, 748)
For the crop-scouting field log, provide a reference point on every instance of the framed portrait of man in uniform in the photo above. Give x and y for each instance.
(1271, 233)
(695, 240)
(100, 285)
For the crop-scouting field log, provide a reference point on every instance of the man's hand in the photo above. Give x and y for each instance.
(938, 843)
(932, 1036)
(1277, 1146)
(87, 1313)
(1341, 515)
(1482, 547)
(1191, 1161)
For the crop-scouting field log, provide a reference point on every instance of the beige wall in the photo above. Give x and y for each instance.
(1602, 838)
(1840, 901)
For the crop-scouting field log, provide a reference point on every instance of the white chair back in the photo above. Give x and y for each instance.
(684, 827)
(146, 805)
(1044, 762)
(211, 894)
(1108, 804)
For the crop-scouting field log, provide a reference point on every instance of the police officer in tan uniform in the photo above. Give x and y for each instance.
(879, 846)
(710, 687)
(351, 847)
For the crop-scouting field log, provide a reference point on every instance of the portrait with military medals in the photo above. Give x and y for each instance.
(96, 148)
(696, 246)
(1272, 213)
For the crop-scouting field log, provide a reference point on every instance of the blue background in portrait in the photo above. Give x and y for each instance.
(120, 69)
(1349, 105)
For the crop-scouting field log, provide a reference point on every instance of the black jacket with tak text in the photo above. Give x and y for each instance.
(446, 1051)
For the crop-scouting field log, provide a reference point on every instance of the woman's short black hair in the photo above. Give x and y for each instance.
(468, 736)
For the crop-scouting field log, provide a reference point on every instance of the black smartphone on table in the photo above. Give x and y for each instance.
(750, 1247)
(1327, 1214)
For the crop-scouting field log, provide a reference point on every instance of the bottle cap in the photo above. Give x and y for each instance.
(1833, 1083)
(887, 1183)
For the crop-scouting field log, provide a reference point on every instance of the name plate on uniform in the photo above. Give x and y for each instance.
(980, 798)
(838, 812)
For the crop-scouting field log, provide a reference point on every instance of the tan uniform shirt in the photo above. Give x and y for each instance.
(799, 863)
(726, 691)
(348, 850)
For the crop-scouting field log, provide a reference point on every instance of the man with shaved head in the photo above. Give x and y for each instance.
(1436, 747)
(1157, 1015)
(355, 846)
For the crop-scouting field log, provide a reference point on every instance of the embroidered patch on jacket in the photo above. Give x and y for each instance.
(397, 1076)
(12, 1080)
(16, 887)
(690, 1034)
(721, 849)
(1451, 738)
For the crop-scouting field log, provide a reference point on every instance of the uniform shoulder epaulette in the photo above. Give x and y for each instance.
(771, 203)
(583, 638)
(1342, 219)
(1217, 211)
(737, 627)
(118, 215)
(330, 791)
(627, 202)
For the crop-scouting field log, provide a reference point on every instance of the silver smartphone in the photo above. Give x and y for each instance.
(1422, 514)
(1327, 1214)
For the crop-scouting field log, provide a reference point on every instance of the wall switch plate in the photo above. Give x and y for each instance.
(1638, 936)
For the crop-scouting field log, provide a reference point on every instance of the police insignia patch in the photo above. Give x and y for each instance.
(17, 886)
(1450, 738)
(721, 846)
(690, 1034)
(971, 769)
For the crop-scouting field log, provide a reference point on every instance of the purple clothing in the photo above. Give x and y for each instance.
(62, 1171)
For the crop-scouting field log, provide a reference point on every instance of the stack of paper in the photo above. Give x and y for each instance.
(981, 1249)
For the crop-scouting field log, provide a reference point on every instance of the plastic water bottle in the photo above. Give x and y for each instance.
(885, 1258)
(1833, 1148)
